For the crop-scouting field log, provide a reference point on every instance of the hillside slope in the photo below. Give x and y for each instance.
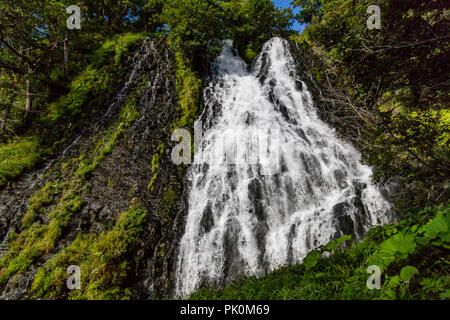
(109, 199)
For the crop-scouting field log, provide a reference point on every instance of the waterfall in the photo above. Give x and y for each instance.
(245, 221)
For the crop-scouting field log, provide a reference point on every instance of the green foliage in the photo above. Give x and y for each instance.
(189, 88)
(104, 261)
(309, 9)
(436, 285)
(18, 156)
(119, 44)
(38, 203)
(429, 237)
(196, 25)
(393, 80)
(94, 87)
(90, 90)
(151, 185)
(313, 257)
(251, 23)
(397, 247)
(192, 24)
(29, 33)
(37, 237)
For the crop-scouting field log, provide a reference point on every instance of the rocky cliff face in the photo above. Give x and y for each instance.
(121, 158)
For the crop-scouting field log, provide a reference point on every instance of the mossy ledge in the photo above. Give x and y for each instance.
(103, 260)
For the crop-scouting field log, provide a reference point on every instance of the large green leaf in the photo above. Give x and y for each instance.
(436, 226)
(333, 245)
(397, 246)
(399, 243)
(311, 260)
(408, 272)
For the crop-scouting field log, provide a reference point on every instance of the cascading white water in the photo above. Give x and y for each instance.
(241, 222)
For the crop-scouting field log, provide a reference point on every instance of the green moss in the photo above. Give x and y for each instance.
(168, 200)
(39, 201)
(102, 259)
(38, 238)
(151, 185)
(189, 88)
(18, 156)
(156, 160)
(93, 88)
(157, 157)
(250, 54)
(41, 226)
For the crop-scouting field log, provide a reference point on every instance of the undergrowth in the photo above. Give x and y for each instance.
(18, 156)
(104, 260)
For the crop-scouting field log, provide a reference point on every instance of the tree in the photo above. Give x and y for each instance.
(394, 80)
(252, 22)
(193, 24)
(29, 39)
(309, 10)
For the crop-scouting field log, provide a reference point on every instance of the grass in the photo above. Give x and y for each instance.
(37, 237)
(93, 87)
(17, 157)
(104, 261)
(189, 89)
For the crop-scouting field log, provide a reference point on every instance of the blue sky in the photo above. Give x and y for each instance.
(286, 4)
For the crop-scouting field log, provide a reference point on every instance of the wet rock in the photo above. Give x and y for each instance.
(343, 220)
(207, 220)
(341, 179)
(256, 195)
(391, 188)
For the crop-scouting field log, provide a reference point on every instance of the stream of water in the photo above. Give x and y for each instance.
(246, 220)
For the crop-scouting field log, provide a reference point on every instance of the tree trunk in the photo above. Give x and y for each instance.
(66, 54)
(3, 121)
(8, 108)
(28, 97)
